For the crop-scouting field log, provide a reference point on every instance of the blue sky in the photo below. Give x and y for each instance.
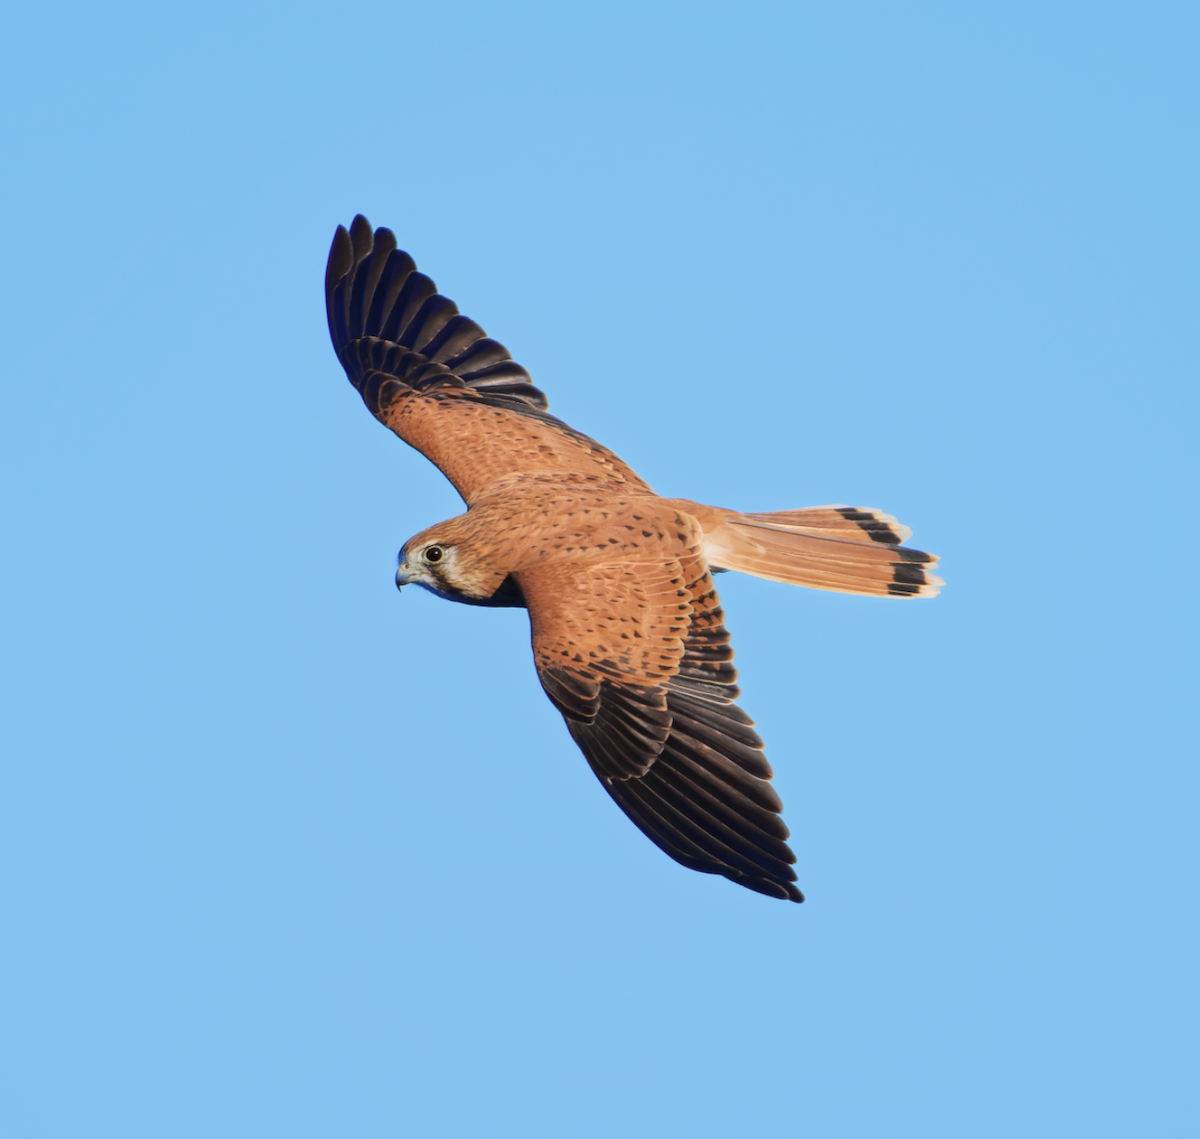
(287, 853)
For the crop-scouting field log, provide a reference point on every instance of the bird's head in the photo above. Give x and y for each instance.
(451, 561)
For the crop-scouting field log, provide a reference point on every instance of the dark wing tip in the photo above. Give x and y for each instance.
(341, 260)
(362, 236)
(374, 293)
(784, 891)
(341, 256)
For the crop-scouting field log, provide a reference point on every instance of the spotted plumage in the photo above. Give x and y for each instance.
(629, 636)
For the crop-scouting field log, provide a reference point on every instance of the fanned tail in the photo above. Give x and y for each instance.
(847, 549)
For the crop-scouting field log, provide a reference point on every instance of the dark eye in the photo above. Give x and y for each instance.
(433, 554)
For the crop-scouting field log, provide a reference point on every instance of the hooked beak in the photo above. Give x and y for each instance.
(404, 575)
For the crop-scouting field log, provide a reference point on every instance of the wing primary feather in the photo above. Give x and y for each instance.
(433, 315)
(396, 270)
(752, 777)
(761, 853)
(725, 800)
(414, 291)
(361, 236)
(714, 770)
(457, 335)
(680, 822)
(373, 291)
(704, 688)
(679, 848)
(341, 258)
(362, 299)
(715, 722)
(483, 354)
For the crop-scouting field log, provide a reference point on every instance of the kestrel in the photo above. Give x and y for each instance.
(629, 635)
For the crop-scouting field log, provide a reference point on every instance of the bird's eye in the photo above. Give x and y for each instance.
(434, 554)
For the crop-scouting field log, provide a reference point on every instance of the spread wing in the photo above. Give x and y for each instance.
(435, 378)
(636, 657)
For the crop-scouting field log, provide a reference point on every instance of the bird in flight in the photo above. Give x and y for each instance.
(629, 635)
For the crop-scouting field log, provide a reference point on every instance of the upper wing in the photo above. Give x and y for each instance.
(636, 657)
(435, 378)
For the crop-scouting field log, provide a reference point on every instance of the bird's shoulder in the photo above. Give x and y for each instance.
(478, 445)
